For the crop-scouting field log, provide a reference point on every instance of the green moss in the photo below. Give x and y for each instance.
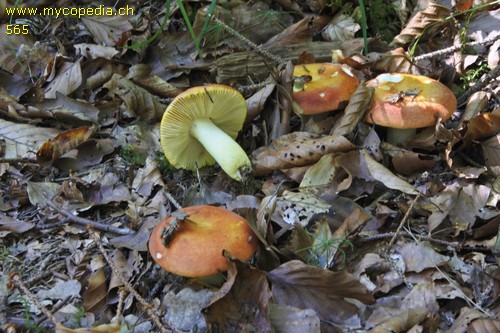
(131, 155)
(163, 164)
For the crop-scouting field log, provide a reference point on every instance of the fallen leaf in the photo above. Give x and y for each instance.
(402, 322)
(296, 149)
(9, 224)
(306, 287)
(420, 256)
(340, 28)
(93, 51)
(53, 149)
(288, 319)
(107, 29)
(244, 305)
(65, 79)
(94, 297)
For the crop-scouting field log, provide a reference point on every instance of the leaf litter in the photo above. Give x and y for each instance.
(355, 233)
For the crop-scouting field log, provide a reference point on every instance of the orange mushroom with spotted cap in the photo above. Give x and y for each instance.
(199, 126)
(322, 87)
(405, 102)
(191, 241)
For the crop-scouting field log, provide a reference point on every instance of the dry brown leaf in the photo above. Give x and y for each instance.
(241, 302)
(63, 77)
(93, 51)
(484, 125)
(393, 61)
(107, 29)
(491, 152)
(9, 224)
(420, 256)
(341, 28)
(137, 101)
(467, 315)
(485, 325)
(289, 319)
(55, 148)
(299, 32)
(96, 292)
(298, 207)
(296, 149)
(433, 14)
(362, 165)
(403, 322)
(256, 102)
(407, 162)
(141, 74)
(306, 287)
(23, 140)
(355, 111)
(75, 112)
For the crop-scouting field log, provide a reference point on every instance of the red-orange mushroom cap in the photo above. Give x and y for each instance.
(322, 87)
(195, 248)
(409, 101)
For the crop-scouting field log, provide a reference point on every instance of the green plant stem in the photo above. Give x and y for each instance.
(364, 26)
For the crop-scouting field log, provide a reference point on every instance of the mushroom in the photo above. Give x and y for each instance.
(405, 102)
(199, 127)
(322, 87)
(191, 241)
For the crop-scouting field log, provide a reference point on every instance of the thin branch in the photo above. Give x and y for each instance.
(247, 41)
(87, 222)
(127, 285)
(455, 48)
(480, 84)
(16, 280)
(403, 221)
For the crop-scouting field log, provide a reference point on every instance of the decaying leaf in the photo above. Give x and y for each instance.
(137, 101)
(355, 111)
(402, 322)
(63, 77)
(484, 125)
(104, 328)
(107, 29)
(296, 149)
(9, 224)
(184, 308)
(340, 28)
(289, 319)
(95, 294)
(420, 256)
(393, 61)
(53, 149)
(39, 193)
(242, 301)
(432, 15)
(306, 287)
(93, 51)
(23, 140)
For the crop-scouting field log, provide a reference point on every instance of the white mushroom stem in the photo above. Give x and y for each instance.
(230, 156)
(399, 136)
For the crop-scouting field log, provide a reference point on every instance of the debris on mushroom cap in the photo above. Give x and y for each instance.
(409, 101)
(322, 87)
(196, 247)
(199, 126)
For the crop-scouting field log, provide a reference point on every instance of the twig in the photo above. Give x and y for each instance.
(403, 221)
(127, 285)
(480, 84)
(455, 48)
(172, 200)
(247, 41)
(16, 280)
(87, 222)
(455, 245)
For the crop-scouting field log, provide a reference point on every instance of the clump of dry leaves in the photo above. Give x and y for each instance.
(355, 234)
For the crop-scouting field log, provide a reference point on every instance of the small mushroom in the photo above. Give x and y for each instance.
(405, 102)
(199, 126)
(322, 87)
(192, 245)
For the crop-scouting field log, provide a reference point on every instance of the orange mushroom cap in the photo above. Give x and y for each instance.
(322, 87)
(409, 101)
(195, 248)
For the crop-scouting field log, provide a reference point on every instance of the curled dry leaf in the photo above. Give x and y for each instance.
(340, 28)
(63, 77)
(95, 294)
(484, 125)
(21, 140)
(289, 319)
(420, 23)
(393, 61)
(403, 322)
(138, 102)
(293, 284)
(53, 149)
(355, 111)
(241, 302)
(296, 149)
(93, 51)
(107, 29)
